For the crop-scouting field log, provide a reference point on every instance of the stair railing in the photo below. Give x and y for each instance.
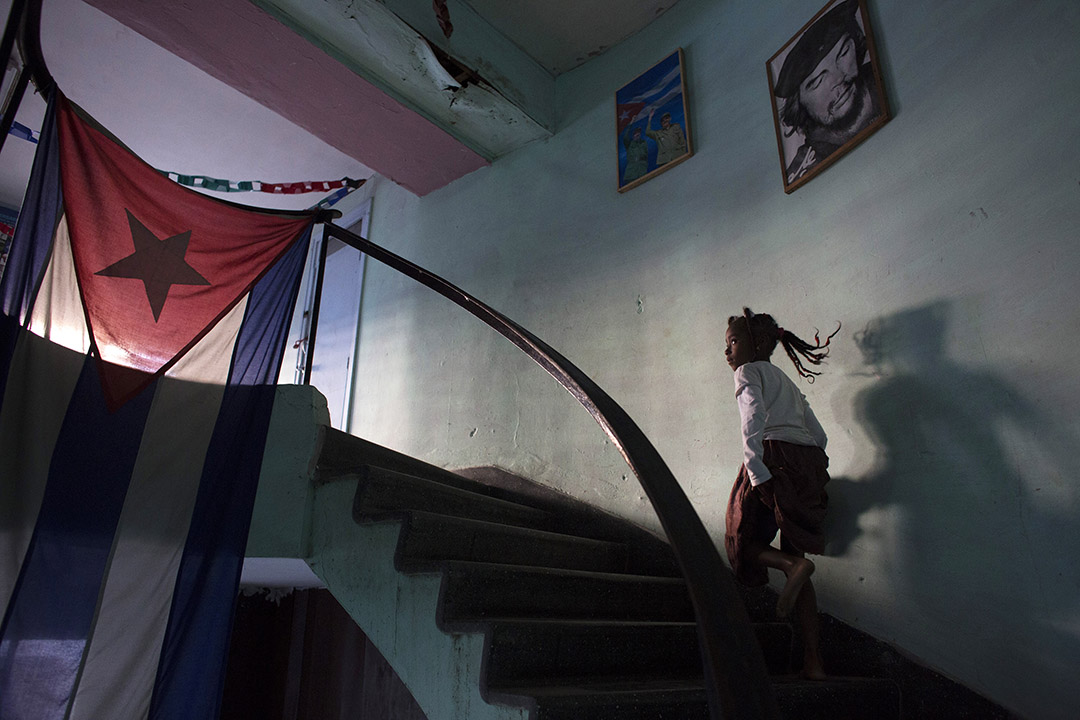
(736, 678)
(23, 29)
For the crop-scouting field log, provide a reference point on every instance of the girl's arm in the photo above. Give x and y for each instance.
(752, 411)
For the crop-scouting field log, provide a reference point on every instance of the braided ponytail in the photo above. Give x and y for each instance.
(765, 334)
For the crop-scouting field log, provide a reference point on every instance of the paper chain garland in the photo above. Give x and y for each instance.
(343, 186)
(218, 185)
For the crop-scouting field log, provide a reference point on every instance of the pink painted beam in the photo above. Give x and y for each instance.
(251, 51)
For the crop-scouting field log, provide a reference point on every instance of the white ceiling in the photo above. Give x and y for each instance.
(562, 34)
(171, 113)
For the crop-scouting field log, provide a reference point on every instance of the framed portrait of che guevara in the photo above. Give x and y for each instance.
(827, 94)
(651, 122)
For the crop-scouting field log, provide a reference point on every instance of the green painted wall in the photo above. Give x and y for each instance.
(946, 244)
(281, 517)
(295, 517)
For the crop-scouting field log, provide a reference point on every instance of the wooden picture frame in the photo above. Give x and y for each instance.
(826, 90)
(652, 129)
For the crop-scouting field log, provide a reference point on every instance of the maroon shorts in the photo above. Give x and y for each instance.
(793, 501)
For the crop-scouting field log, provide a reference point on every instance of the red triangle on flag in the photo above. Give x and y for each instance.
(157, 264)
(626, 113)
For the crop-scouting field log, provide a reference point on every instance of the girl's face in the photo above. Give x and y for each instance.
(737, 348)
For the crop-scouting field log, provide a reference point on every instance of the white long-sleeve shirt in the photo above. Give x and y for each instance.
(772, 408)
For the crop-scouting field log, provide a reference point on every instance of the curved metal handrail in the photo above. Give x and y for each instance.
(30, 45)
(23, 27)
(735, 674)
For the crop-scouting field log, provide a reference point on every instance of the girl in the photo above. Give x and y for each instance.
(781, 484)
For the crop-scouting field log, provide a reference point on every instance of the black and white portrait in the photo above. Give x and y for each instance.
(826, 90)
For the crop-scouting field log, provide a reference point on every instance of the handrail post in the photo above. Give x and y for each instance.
(22, 79)
(11, 30)
(313, 326)
(23, 27)
(30, 42)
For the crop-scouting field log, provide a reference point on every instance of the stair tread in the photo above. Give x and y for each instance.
(375, 476)
(343, 453)
(430, 539)
(613, 687)
(586, 622)
(427, 515)
(629, 577)
(578, 687)
(547, 622)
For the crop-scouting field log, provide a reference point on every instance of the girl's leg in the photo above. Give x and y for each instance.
(798, 592)
(810, 627)
(796, 568)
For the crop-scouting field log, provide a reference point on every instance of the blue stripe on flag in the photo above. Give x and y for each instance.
(32, 244)
(191, 674)
(269, 312)
(29, 253)
(47, 624)
(9, 334)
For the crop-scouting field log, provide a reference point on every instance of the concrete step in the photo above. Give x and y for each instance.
(343, 455)
(833, 699)
(428, 540)
(542, 652)
(637, 699)
(564, 652)
(838, 698)
(474, 592)
(385, 493)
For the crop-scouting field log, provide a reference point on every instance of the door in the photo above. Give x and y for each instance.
(339, 320)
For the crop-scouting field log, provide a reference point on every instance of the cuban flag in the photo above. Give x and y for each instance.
(143, 327)
(657, 94)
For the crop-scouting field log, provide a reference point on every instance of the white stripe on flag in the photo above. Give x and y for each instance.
(134, 610)
(39, 386)
(58, 311)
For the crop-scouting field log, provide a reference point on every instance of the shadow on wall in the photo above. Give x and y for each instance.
(974, 549)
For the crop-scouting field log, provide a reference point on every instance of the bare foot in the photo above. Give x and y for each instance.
(812, 668)
(800, 573)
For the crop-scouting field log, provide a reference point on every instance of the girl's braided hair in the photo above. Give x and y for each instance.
(765, 334)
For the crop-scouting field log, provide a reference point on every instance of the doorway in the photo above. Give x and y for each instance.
(333, 357)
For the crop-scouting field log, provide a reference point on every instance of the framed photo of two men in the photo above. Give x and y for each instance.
(826, 90)
(652, 132)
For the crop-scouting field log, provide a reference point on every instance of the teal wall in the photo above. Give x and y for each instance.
(946, 244)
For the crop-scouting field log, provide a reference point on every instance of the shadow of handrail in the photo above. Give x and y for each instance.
(735, 674)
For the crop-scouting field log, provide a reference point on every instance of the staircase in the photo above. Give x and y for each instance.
(582, 616)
